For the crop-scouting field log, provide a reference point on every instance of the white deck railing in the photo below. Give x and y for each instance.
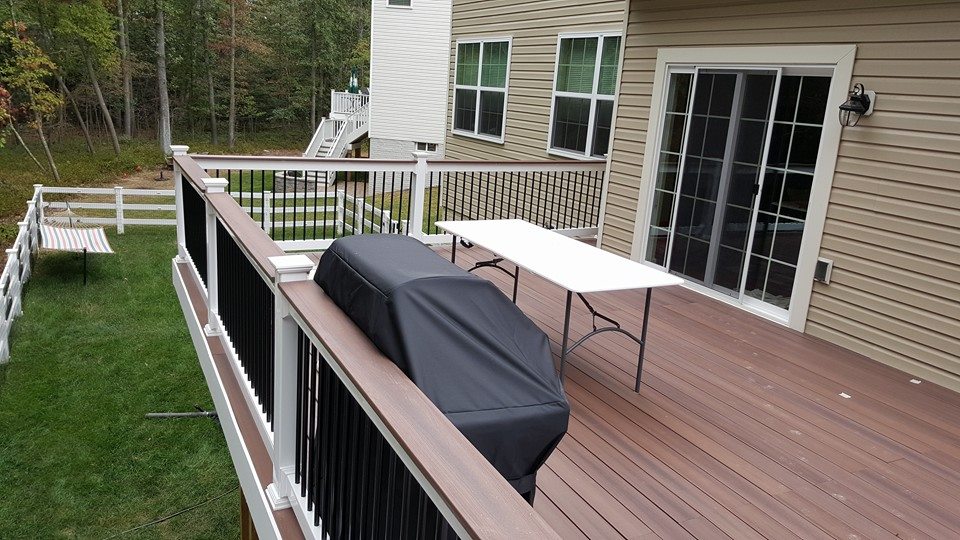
(341, 426)
(346, 102)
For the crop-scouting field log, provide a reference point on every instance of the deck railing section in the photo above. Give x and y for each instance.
(346, 102)
(357, 450)
(291, 199)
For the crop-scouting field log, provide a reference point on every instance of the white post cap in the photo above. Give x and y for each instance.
(292, 267)
(179, 149)
(215, 185)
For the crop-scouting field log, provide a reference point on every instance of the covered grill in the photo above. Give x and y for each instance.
(484, 364)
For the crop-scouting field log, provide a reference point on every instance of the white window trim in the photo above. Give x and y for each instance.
(587, 155)
(392, 6)
(841, 59)
(506, 89)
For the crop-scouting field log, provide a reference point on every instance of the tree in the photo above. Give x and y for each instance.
(86, 27)
(232, 122)
(126, 70)
(24, 72)
(162, 82)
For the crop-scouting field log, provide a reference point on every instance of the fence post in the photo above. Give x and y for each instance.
(421, 177)
(38, 196)
(289, 268)
(179, 150)
(338, 222)
(266, 207)
(119, 204)
(212, 185)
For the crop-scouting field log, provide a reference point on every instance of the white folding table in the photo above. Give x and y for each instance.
(574, 265)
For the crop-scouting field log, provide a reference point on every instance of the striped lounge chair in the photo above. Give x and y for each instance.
(76, 239)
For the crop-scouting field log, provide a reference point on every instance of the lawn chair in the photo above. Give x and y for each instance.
(73, 238)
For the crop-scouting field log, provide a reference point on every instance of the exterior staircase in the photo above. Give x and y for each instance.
(348, 123)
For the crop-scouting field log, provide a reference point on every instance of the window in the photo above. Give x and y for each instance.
(398, 3)
(586, 81)
(480, 88)
(426, 147)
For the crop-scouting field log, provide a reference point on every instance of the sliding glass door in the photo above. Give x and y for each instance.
(733, 179)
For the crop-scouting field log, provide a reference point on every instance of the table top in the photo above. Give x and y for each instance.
(570, 263)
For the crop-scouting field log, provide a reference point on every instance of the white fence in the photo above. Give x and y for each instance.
(114, 212)
(17, 269)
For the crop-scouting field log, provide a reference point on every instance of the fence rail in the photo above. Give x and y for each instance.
(357, 450)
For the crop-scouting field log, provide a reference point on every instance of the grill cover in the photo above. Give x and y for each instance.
(484, 364)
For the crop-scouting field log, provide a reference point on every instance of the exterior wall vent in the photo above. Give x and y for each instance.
(823, 271)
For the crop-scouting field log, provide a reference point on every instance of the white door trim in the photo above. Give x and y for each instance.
(840, 58)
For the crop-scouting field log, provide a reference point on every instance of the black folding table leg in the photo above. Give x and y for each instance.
(566, 335)
(453, 250)
(516, 282)
(643, 337)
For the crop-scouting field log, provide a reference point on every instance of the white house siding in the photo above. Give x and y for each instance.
(893, 222)
(408, 75)
(534, 26)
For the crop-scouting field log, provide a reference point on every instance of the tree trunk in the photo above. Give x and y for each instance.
(46, 147)
(232, 122)
(27, 148)
(213, 107)
(313, 71)
(76, 112)
(162, 82)
(103, 105)
(127, 73)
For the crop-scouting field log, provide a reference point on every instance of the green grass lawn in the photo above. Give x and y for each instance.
(77, 457)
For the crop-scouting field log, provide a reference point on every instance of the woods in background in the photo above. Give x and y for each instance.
(118, 69)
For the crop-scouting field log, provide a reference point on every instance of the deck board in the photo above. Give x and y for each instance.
(739, 430)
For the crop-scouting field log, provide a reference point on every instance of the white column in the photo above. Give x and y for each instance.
(289, 268)
(266, 207)
(211, 186)
(419, 182)
(179, 150)
(119, 204)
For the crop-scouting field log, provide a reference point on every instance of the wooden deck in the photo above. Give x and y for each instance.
(739, 430)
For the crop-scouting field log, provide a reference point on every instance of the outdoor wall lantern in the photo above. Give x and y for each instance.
(859, 103)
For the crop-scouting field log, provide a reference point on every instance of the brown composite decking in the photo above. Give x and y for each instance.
(739, 429)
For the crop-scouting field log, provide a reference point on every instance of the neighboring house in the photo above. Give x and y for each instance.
(408, 76)
(764, 167)
(403, 110)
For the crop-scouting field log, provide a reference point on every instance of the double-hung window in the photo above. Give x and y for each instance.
(480, 88)
(583, 94)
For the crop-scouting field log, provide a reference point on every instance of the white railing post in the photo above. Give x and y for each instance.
(119, 203)
(179, 150)
(288, 268)
(421, 177)
(212, 185)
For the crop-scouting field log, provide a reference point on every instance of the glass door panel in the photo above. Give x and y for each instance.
(782, 206)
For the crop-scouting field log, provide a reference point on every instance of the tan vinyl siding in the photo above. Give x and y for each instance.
(534, 26)
(893, 223)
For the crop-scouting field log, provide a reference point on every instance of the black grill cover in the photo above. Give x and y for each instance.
(484, 364)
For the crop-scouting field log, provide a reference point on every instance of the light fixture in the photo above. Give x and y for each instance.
(859, 103)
